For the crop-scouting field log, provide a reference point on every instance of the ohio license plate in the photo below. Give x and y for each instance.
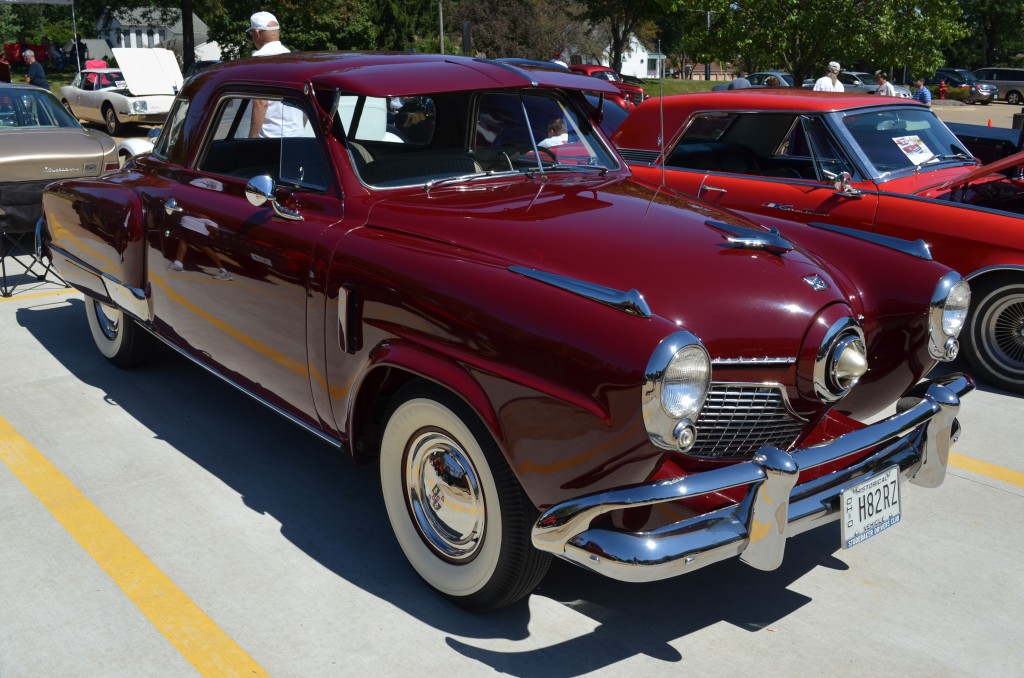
(870, 507)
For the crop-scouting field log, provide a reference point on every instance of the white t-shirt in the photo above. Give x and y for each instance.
(825, 84)
(886, 89)
(281, 120)
(554, 141)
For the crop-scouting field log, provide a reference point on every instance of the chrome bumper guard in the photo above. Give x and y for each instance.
(917, 439)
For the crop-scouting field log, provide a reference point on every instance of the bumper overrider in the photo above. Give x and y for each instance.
(917, 439)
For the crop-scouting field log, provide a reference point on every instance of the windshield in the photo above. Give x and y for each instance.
(904, 139)
(468, 136)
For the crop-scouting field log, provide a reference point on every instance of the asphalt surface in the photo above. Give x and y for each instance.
(155, 522)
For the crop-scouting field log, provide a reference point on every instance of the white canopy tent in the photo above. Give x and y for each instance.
(74, 23)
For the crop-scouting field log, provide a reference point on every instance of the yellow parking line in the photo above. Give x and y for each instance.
(39, 295)
(986, 469)
(211, 651)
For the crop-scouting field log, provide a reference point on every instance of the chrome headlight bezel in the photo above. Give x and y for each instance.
(947, 316)
(671, 427)
(832, 378)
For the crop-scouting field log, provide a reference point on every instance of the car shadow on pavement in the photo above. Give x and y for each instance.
(332, 509)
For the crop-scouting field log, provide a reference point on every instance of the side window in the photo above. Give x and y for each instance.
(171, 138)
(285, 147)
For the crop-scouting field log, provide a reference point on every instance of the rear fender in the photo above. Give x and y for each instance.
(96, 236)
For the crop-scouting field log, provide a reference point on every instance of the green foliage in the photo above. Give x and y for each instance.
(994, 36)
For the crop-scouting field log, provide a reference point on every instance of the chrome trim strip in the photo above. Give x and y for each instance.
(915, 248)
(661, 426)
(990, 269)
(942, 346)
(287, 415)
(631, 302)
(788, 360)
(752, 238)
(132, 300)
(917, 439)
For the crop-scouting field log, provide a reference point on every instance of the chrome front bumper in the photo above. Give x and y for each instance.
(917, 439)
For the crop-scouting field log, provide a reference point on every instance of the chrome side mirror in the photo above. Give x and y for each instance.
(260, 191)
(843, 186)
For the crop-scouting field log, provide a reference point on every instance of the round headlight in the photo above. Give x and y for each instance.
(841, 361)
(954, 311)
(686, 382)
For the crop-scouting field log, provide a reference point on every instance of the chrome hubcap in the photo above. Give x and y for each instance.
(109, 320)
(444, 495)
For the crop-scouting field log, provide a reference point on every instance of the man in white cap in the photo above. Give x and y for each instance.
(830, 81)
(271, 118)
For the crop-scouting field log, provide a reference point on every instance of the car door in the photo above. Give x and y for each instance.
(783, 166)
(230, 279)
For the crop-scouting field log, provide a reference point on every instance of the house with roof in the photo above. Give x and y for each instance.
(637, 60)
(154, 27)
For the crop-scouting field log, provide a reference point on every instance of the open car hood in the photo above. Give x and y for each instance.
(985, 171)
(149, 71)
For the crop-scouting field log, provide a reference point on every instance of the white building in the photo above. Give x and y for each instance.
(151, 27)
(637, 61)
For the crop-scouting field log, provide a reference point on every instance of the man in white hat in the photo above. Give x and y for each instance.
(830, 81)
(271, 118)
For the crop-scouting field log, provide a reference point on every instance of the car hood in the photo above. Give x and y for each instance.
(62, 153)
(982, 172)
(149, 71)
(623, 236)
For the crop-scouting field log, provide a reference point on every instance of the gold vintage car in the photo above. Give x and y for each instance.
(39, 143)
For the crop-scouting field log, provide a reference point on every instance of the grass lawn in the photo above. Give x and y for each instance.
(673, 86)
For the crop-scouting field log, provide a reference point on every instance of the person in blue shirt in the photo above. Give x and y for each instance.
(922, 93)
(36, 75)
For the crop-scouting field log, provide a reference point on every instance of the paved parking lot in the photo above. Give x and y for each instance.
(155, 522)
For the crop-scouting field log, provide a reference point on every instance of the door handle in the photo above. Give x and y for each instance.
(171, 206)
(713, 188)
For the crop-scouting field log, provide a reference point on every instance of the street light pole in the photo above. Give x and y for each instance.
(440, 22)
(707, 64)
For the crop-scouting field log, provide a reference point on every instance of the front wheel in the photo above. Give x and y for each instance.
(994, 341)
(114, 126)
(118, 337)
(457, 510)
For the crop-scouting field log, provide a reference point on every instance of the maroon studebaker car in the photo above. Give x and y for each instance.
(542, 356)
(884, 165)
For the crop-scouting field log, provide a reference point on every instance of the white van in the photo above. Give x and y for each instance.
(1010, 82)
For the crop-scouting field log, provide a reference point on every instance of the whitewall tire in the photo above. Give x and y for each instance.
(457, 510)
(118, 337)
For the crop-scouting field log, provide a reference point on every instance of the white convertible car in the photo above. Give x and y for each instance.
(140, 90)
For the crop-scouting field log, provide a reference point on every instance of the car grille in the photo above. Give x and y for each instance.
(737, 419)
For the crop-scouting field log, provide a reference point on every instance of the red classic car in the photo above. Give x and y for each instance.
(542, 356)
(629, 95)
(889, 167)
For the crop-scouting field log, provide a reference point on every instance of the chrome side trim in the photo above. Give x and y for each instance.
(1014, 268)
(915, 248)
(132, 300)
(631, 302)
(917, 439)
(752, 238)
(287, 415)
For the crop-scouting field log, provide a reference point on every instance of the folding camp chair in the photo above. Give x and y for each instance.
(21, 212)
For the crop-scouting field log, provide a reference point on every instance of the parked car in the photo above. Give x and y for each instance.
(864, 83)
(536, 350)
(140, 90)
(885, 166)
(977, 92)
(631, 95)
(760, 79)
(40, 143)
(5, 70)
(1009, 83)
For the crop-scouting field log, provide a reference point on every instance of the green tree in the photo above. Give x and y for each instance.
(531, 29)
(994, 36)
(802, 36)
(624, 19)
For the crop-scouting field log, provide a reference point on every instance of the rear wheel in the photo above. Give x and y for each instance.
(1014, 98)
(114, 126)
(994, 339)
(117, 336)
(457, 510)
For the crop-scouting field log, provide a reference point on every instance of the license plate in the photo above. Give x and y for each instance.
(871, 506)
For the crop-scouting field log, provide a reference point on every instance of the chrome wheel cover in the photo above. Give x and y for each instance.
(108, 319)
(1003, 326)
(444, 496)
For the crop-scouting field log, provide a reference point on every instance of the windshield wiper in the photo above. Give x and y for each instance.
(468, 177)
(600, 169)
(949, 156)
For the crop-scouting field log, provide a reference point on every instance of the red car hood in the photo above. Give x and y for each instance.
(940, 180)
(620, 235)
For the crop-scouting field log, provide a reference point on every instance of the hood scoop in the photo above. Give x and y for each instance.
(752, 238)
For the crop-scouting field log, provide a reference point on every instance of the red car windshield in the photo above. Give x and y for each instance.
(895, 140)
